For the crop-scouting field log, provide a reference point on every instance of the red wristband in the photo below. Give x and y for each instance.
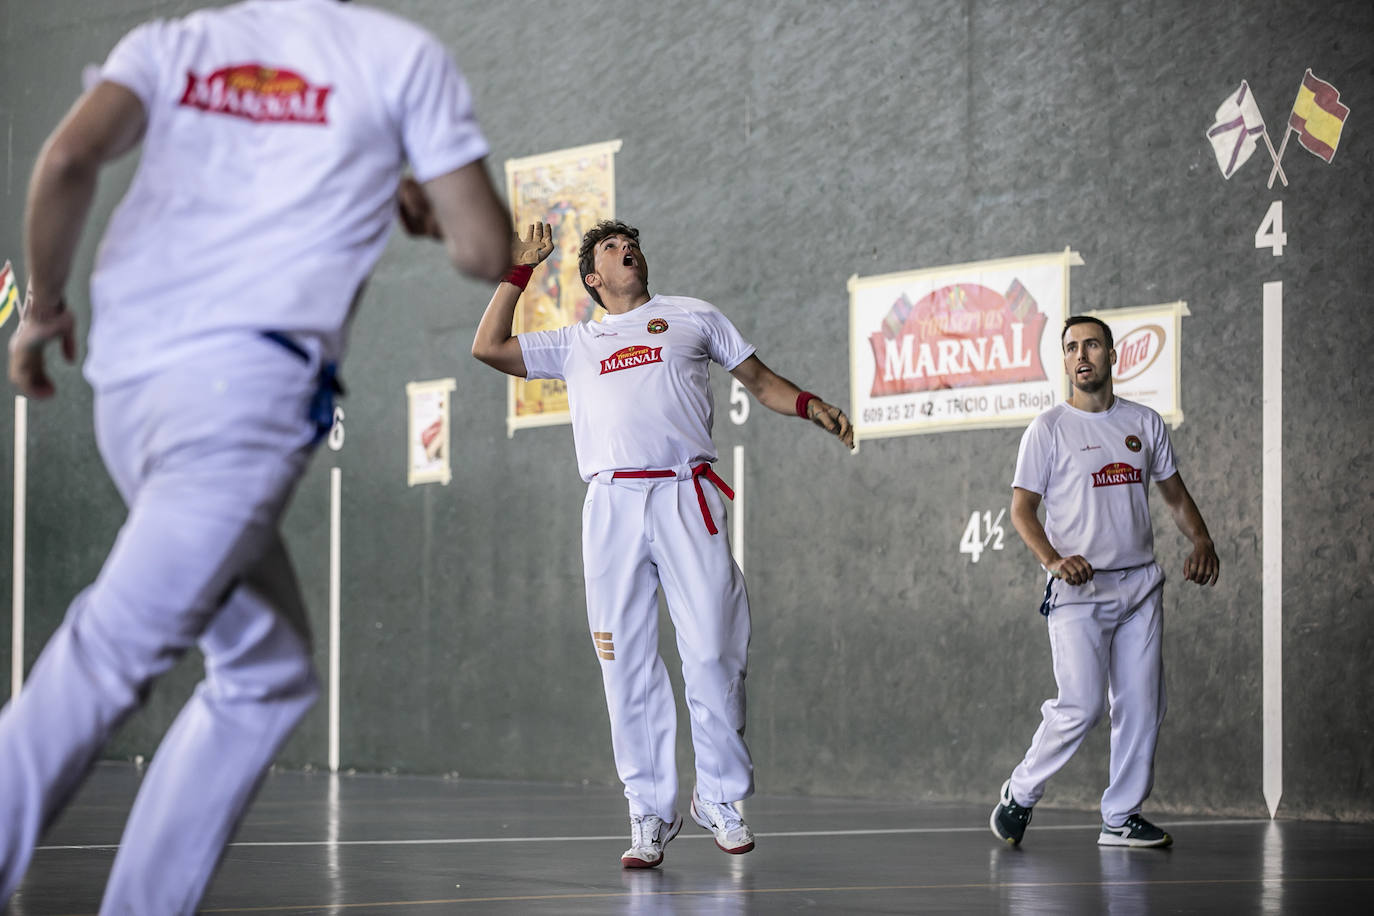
(804, 399)
(519, 275)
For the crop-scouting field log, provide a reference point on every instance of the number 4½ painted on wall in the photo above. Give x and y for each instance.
(982, 532)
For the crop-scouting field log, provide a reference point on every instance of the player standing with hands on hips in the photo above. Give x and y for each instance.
(640, 397)
(1091, 460)
(274, 136)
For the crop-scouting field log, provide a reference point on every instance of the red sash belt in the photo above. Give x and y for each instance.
(702, 470)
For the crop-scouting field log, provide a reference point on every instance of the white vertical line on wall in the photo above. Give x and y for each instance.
(335, 488)
(1271, 588)
(21, 473)
(737, 526)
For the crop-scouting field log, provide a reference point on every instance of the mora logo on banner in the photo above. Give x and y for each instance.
(1148, 366)
(1137, 351)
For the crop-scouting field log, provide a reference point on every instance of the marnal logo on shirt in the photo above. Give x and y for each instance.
(629, 357)
(1115, 474)
(257, 93)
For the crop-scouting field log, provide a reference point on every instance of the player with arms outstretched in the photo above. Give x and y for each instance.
(640, 397)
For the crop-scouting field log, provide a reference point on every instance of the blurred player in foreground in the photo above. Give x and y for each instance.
(273, 139)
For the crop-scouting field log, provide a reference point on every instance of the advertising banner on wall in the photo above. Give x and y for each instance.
(1148, 341)
(571, 190)
(958, 347)
(427, 432)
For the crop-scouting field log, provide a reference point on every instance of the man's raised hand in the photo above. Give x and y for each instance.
(534, 246)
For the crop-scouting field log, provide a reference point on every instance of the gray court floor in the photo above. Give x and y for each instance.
(383, 844)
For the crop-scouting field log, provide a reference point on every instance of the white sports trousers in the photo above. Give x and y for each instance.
(637, 534)
(205, 459)
(1107, 638)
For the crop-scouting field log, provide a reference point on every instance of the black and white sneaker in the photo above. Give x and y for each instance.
(1135, 832)
(1009, 820)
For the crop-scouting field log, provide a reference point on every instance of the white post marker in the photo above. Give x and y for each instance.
(335, 487)
(737, 525)
(1271, 588)
(21, 473)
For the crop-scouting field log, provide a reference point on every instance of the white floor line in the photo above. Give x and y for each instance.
(469, 841)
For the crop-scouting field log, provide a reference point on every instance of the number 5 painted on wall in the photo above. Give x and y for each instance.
(739, 402)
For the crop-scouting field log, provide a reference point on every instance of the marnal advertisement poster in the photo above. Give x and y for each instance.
(959, 347)
(1148, 341)
(571, 190)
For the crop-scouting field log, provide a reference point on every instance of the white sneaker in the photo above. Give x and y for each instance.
(648, 835)
(723, 819)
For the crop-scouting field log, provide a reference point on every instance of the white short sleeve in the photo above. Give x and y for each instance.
(133, 63)
(546, 352)
(438, 129)
(724, 342)
(1035, 457)
(1162, 465)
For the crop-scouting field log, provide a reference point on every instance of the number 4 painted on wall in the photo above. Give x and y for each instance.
(1270, 233)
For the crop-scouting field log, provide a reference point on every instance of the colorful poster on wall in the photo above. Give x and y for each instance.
(958, 347)
(571, 190)
(1148, 341)
(427, 436)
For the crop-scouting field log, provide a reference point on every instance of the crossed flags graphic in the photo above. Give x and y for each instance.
(1317, 118)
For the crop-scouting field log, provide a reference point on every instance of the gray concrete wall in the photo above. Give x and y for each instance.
(770, 151)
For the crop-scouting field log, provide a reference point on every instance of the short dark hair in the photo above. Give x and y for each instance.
(586, 255)
(1086, 319)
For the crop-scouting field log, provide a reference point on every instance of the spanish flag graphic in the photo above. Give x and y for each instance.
(1318, 117)
(9, 293)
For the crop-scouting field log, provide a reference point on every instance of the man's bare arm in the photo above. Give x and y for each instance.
(495, 343)
(105, 123)
(1025, 505)
(1202, 565)
(777, 393)
(475, 226)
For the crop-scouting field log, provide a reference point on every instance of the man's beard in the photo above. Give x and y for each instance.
(1090, 387)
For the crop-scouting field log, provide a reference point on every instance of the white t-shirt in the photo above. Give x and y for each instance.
(1093, 472)
(276, 135)
(639, 386)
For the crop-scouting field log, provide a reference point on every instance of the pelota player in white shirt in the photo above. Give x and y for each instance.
(1091, 460)
(640, 398)
(273, 138)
